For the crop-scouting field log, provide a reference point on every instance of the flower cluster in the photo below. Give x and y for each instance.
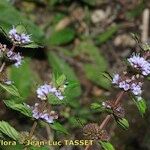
(14, 57)
(10, 56)
(140, 63)
(46, 89)
(44, 114)
(127, 83)
(92, 131)
(19, 38)
(117, 110)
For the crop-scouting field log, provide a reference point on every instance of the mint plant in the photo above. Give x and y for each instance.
(49, 94)
(129, 82)
(57, 92)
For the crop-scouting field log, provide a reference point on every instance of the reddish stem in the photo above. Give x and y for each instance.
(108, 117)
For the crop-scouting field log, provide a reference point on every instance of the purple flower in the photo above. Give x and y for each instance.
(14, 57)
(140, 63)
(124, 85)
(136, 89)
(128, 84)
(44, 90)
(38, 113)
(19, 38)
(116, 79)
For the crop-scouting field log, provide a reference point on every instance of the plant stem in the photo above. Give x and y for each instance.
(4, 64)
(108, 117)
(32, 129)
(2, 67)
(105, 121)
(87, 147)
(13, 47)
(119, 97)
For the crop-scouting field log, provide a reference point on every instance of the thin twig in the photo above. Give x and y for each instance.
(32, 129)
(13, 47)
(87, 147)
(105, 121)
(2, 67)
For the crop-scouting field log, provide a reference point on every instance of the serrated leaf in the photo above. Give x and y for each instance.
(62, 67)
(61, 37)
(8, 130)
(106, 145)
(58, 127)
(14, 17)
(11, 89)
(93, 73)
(22, 108)
(141, 105)
(123, 123)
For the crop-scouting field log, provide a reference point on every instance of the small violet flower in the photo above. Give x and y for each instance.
(16, 57)
(128, 84)
(19, 38)
(44, 115)
(136, 89)
(116, 79)
(46, 89)
(140, 63)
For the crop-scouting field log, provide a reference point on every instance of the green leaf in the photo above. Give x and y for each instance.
(97, 66)
(93, 73)
(61, 37)
(106, 35)
(23, 78)
(14, 17)
(60, 66)
(123, 123)
(96, 106)
(13, 147)
(106, 145)
(8, 130)
(61, 80)
(31, 45)
(141, 105)
(77, 122)
(11, 89)
(21, 29)
(58, 127)
(54, 100)
(22, 108)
